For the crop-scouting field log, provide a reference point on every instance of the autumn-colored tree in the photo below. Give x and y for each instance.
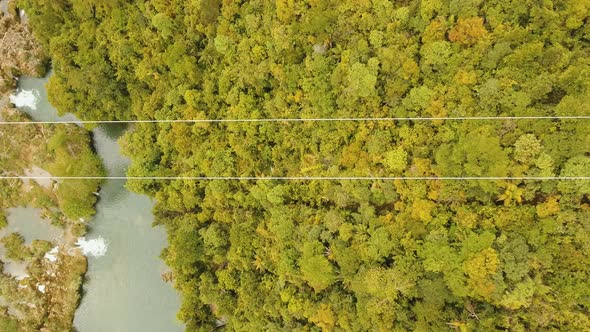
(468, 31)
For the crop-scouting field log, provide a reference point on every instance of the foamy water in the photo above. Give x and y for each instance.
(51, 255)
(93, 247)
(41, 288)
(25, 98)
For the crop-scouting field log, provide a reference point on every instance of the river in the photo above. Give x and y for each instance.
(123, 290)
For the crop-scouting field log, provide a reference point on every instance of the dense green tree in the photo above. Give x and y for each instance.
(15, 247)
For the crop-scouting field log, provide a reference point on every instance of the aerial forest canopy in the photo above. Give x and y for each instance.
(349, 255)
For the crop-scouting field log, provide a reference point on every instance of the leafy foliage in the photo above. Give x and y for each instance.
(400, 255)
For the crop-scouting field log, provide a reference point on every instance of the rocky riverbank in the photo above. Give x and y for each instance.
(41, 277)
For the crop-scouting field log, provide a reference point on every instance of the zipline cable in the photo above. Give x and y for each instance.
(262, 120)
(304, 178)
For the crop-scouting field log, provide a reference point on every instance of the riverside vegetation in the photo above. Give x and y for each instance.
(45, 298)
(349, 255)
